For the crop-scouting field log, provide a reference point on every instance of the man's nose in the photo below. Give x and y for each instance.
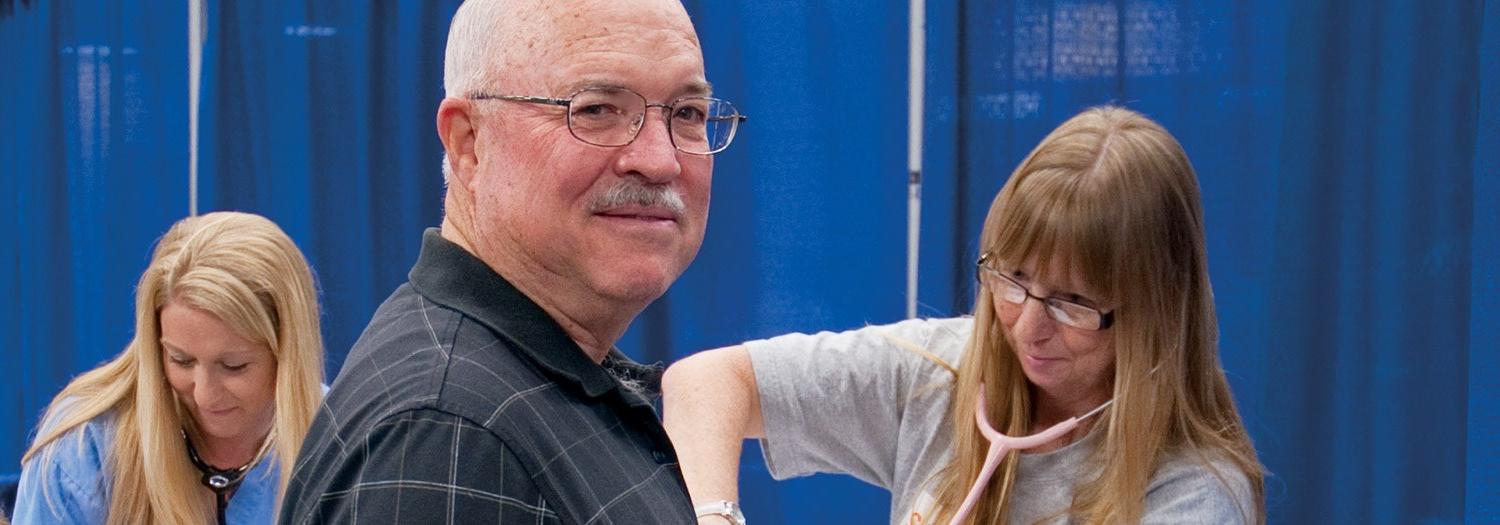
(652, 155)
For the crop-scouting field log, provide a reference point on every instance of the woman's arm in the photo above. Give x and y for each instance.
(829, 402)
(710, 405)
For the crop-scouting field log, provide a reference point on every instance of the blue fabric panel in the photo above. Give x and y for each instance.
(319, 115)
(1374, 210)
(1483, 462)
(95, 160)
(943, 277)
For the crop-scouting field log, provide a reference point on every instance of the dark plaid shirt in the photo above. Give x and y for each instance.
(464, 402)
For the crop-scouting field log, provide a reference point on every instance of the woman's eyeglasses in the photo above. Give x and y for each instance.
(1060, 310)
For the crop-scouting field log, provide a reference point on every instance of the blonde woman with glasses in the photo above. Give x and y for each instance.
(1094, 332)
(199, 420)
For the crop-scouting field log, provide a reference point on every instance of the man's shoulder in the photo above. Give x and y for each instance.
(419, 354)
(399, 361)
(412, 466)
(407, 330)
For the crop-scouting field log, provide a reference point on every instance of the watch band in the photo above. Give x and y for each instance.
(727, 509)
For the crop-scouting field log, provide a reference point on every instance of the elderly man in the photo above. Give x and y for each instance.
(579, 137)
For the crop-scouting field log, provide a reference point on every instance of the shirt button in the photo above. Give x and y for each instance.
(659, 456)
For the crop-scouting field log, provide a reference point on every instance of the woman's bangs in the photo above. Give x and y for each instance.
(1052, 221)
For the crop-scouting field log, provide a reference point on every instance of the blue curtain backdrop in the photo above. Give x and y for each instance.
(1347, 152)
(93, 168)
(320, 115)
(1483, 473)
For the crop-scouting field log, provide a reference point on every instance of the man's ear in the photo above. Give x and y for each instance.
(456, 128)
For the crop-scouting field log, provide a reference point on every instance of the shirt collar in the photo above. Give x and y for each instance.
(447, 274)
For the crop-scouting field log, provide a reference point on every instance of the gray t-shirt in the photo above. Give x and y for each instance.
(864, 403)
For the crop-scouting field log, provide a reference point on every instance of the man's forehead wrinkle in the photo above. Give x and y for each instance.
(551, 29)
(577, 20)
(580, 54)
(598, 35)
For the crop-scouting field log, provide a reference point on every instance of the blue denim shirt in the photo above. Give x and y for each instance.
(74, 488)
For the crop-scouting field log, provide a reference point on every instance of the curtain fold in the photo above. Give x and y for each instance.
(1372, 226)
(1483, 461)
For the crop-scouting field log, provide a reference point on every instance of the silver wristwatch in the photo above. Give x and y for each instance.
(728, 509)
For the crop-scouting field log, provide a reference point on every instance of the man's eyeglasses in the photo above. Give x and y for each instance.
(613, 117)
(1060, 310)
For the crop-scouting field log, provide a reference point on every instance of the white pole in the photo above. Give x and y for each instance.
(916, 74)
(195, 70)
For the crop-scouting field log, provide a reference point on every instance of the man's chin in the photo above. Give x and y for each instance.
(636, 287)
(637, 293)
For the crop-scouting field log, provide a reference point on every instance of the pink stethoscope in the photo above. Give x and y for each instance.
(1000, 444)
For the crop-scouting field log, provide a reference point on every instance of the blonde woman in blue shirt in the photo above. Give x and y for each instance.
(199, 420)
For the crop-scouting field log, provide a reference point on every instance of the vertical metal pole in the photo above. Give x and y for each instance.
(195, 70)
(916, 77)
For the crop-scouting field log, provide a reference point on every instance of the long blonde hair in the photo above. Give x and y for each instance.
(244, 270)
(1111, 194)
